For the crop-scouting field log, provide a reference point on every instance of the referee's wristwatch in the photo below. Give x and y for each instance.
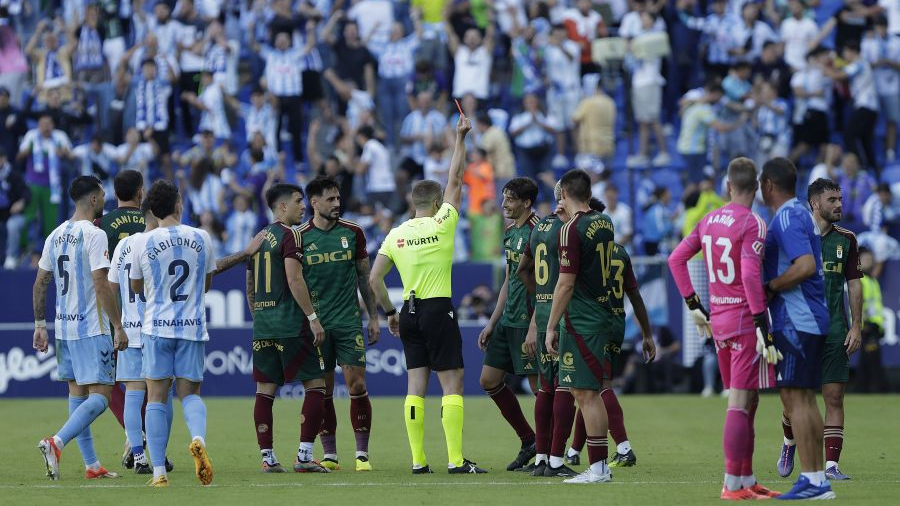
(390, 313)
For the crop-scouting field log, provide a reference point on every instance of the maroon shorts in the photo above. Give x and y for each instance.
(741, 366)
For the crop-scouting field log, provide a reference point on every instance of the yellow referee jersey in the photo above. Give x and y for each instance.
(422, 250)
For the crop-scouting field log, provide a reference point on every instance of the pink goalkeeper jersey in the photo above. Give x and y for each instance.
(732, 240)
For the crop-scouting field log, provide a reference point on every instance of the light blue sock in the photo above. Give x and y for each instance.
(170, 411)
(157, 435)
(194, 415)
(85, 439)
(83, 412)
(134, 399)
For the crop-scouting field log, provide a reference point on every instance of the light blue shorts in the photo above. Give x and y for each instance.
(129, 364)
(88, 361)
(890, 107)
(165, 358)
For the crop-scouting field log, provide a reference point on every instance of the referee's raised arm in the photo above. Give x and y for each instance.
(453, 192)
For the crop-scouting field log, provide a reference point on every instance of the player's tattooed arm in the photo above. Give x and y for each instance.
(223, 264)
(251, 292)
(365, 290)
(39, 293)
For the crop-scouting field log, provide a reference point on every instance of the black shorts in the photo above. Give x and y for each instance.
(312, 86)
(431, 336)
(161, 138)
(814, 129)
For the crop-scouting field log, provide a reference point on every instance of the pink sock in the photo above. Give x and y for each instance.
(736, 437)
(747, 467)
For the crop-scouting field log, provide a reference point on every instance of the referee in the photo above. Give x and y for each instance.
(422, 250)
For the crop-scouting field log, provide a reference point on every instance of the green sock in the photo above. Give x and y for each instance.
(414, 415)
(452, 420)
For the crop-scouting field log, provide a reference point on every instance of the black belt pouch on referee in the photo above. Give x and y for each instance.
(430, 334)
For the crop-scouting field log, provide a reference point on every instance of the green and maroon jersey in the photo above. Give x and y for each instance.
(121, 223)
(586, 250)
(623, 281)
(542, 247)
(519, 304)
(840, 261)
(276, 314)
(329, 267)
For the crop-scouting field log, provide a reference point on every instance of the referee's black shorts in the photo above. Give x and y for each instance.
(431, 336)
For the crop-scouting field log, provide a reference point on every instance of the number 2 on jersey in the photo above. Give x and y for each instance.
(185, 272)
(716, 275)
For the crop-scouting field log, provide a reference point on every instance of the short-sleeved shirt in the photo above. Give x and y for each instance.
(329, 267)
(422, 250)
(862, 85)
(132, 304)
(694, 129)
(791, 235)
(72, 252)
(276, 314)
(519, 304)
(840, 261)
(174, 262)
(623, 281)
(119, 224)
(585, 249)
(543, 247)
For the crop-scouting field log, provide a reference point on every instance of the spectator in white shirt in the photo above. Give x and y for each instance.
(882, 50)
(532, 133)
(134, 154)
(812, 101)
(421, 128)
(891, 9)
(395, 66)
(375, 19)
(240, 226)
(98, 159)
(473, 59)
(646, 99)
(748, 34)
(797, 33)
(562, 64)
(621, 216)
(211, 103)
(374, 170)
(859, 133)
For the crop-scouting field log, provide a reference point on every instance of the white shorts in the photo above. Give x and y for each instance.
(561, 104)
(646, 102)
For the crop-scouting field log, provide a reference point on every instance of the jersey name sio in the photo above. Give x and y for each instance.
(173, 263)
(72, 252)
(132, 304)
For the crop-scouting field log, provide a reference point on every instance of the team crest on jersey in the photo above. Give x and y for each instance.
(840, 251)
(344, 242)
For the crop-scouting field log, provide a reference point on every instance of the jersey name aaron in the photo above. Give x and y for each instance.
(174, 262)
(72, 252)
(519, 304)
(329, 267)
(132, 304)
(276, 314)
(585, 250)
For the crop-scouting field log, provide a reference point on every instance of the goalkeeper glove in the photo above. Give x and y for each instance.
(700, 315)
(765, 345)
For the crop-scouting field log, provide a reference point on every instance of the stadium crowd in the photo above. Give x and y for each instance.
(228, 97)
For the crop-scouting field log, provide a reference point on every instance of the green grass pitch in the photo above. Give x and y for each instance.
(677, 440)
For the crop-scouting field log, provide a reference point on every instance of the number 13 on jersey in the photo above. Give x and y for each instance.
(716, 273)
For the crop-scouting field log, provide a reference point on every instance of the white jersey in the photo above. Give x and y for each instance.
(72, 252)
(132, 304)
(174, 262)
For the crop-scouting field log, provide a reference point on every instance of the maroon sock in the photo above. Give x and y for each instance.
(615, 414)
(117, 404)
(329, 427)
(786, 427)
(747, 468)
(563, 416)
(598, 449)
(543, 421)
(580, 433)
(509, 407)
(834, 442)
(311, 414)
(361, 419)
(262, 418)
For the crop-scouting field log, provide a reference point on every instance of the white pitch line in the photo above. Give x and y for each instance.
(406, 484)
